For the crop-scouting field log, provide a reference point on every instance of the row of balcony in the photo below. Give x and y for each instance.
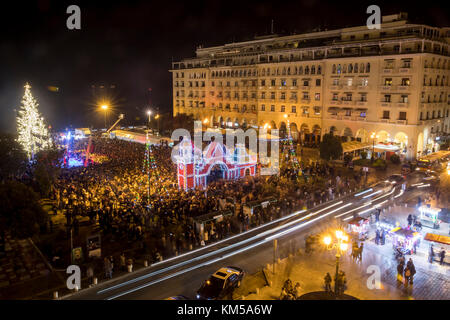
(397, 70)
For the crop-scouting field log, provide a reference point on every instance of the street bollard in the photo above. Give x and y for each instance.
(95, 280)
(55, 294)
(145, 263)
(190, 246)
(130, 268)
(76, 288)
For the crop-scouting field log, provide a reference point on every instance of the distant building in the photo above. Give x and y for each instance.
(355, 82)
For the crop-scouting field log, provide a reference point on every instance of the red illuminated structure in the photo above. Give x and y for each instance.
(196, 168)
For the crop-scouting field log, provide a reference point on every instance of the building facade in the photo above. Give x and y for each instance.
(383, 86)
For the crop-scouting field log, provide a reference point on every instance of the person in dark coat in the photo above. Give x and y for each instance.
(431, 254)
(400, 270)
(441, 256)
(410, 219)
(327, 280)
(383, 237)
(377, 236)
(412, 271)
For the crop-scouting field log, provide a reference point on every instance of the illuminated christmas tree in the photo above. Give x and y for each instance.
(31, 128)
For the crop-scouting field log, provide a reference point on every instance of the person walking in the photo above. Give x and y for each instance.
(412, 271)
(431, 254)
(441, 256)
(327, 280)
(360, 251)
(122, 262)
(400, 270)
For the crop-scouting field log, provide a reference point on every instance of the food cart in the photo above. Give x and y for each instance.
(405, 240)
(429, 216)
(359, 227)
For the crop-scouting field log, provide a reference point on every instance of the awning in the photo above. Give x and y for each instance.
(437, 238)
(354, 145)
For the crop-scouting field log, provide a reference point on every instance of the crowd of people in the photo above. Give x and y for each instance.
(127, 204)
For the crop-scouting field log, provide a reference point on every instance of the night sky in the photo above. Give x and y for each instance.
(131, 44)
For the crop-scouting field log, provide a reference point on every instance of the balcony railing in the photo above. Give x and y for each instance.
(404, 70)
(402, 104)
(403, 88)
(386, 88)
(385, 103)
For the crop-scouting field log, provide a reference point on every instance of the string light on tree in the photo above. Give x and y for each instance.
(31, 128)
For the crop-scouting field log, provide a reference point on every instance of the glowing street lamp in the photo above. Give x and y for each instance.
(105, 108)
(373, 136)
(341, 245)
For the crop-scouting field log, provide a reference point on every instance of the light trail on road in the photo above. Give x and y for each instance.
(213, 252)
(279, 230)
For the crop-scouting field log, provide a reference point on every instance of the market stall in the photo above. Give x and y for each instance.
(405, 240)
(359, 227)
(429, 216)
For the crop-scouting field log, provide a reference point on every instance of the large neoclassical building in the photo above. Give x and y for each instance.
(387, 86)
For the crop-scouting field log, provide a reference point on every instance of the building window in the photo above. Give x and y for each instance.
(318, 82)
(385, 114)
(317, 110)
(387, 98)
(283, 82)
(368, 67)
(421, 116)
(272, 82)
(349, 82)
(272, 108)
(348, 112)
(294, 82)
(283, 109)
(363, 97)
(333, 69)
(306, 70)
(405, 82)
(263, 107)
(404, 98)
(283, 96)
(366, 36)
(356, 68)
(305, 83)
(339, 69)
(402, 115)
(388, 81)
(317, 96)
(313, 70)
(335, 96)
(294, 109)
(335, 82)
(319, 70)
(272, 95)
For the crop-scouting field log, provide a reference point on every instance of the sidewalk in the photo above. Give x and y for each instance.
(431, 282)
